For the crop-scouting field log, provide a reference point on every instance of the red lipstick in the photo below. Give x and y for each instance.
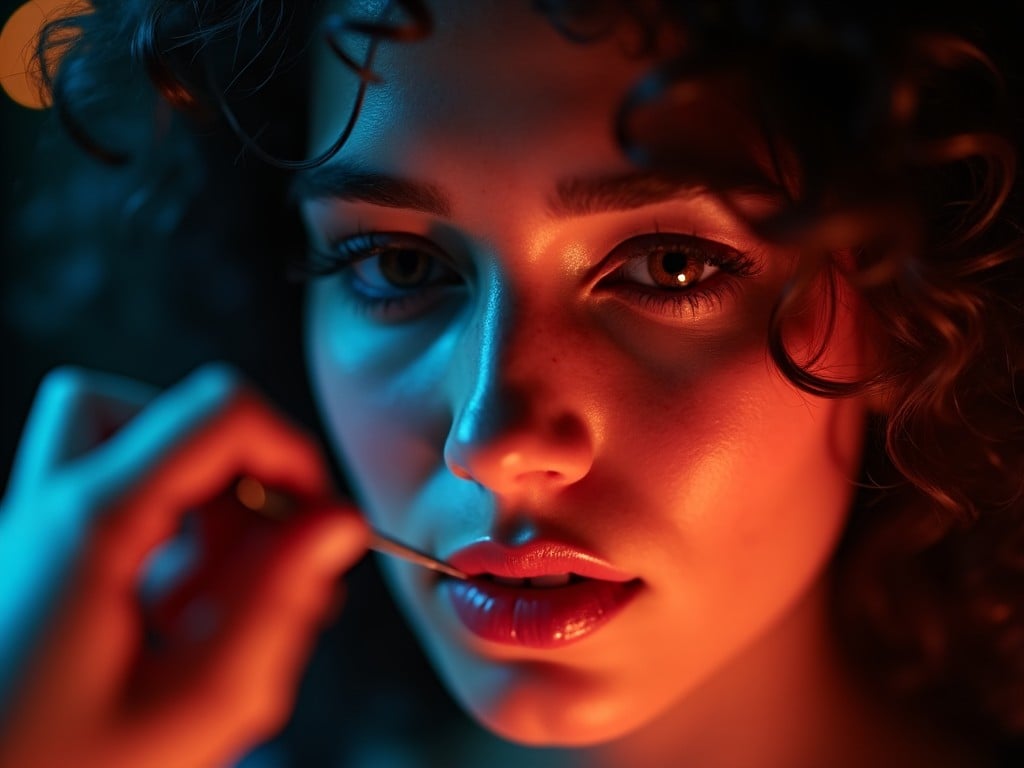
(543, 594)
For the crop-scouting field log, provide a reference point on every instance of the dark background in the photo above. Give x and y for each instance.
(145, 270)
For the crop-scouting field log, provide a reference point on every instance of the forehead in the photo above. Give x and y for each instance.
(494, 79)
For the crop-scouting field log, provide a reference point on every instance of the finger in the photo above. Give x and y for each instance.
(270, 628)
(43, 516)
(75, 410)
(170, 419)
(269, 607)
(242, 435)
(221, 532)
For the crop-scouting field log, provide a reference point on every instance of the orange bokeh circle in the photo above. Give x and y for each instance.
(19, 72)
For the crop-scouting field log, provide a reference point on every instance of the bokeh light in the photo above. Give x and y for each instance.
(19, 74)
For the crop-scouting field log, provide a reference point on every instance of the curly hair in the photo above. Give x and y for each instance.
(894, 131)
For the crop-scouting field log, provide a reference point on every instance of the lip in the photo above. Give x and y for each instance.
(529, 616)
(542, 557)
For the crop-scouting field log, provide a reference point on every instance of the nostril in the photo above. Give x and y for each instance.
(460, 473)
(455, 466)
(541, 475)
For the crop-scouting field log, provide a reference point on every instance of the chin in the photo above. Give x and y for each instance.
(542, 717)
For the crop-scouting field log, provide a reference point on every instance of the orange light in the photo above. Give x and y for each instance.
(251, 493)
(19, 72)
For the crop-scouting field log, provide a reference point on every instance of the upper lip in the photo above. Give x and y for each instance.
(542, 557)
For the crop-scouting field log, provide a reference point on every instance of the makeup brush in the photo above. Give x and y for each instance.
(276, 505)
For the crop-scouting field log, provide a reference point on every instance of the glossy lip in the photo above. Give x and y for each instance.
(542, 557)
(536, 617)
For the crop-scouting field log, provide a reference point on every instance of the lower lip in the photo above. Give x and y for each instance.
(537, 617)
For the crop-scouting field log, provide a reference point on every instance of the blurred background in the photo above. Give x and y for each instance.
(144, 270)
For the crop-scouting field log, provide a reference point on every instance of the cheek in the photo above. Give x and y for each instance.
(737, 467)
(738, 487)
(378, 393)
(777, 502)
(775, 465)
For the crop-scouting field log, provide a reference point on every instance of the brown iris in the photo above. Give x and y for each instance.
(404, 268)
(671, 268)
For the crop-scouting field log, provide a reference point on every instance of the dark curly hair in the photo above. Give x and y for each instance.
(894, 130)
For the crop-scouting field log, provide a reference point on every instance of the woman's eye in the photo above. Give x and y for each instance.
(392, 276)
(397, 269)
(669, 267)
(677, 274)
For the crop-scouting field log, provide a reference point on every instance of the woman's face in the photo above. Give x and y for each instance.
(530, 374)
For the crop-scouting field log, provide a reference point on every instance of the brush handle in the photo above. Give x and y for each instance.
(277, 505)
(388, 546)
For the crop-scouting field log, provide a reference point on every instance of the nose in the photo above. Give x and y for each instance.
(517, 423)
(508, 441)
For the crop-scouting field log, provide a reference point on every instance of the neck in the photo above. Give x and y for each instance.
(787, 701)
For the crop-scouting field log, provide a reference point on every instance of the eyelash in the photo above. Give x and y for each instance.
(344, 254)
(709, 293)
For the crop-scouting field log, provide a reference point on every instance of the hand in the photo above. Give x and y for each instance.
(94, 492)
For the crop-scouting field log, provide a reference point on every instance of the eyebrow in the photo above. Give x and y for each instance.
(347, 182)
(583, 196)
(572, 197)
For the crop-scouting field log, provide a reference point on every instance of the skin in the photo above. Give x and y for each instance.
(107, 470)
(534, 398)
